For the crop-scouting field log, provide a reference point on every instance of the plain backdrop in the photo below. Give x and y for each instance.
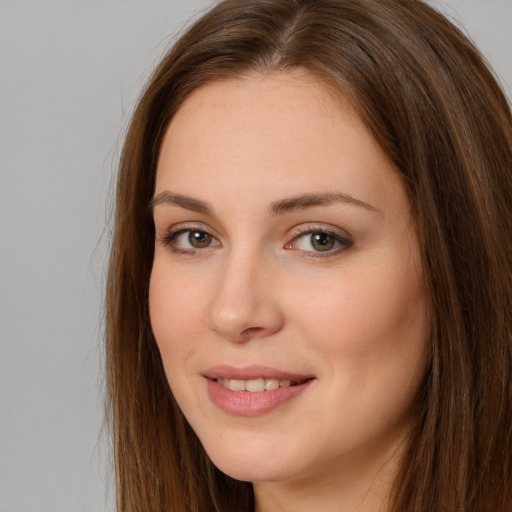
(70, 72)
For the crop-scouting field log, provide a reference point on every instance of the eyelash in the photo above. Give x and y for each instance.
(169, 240)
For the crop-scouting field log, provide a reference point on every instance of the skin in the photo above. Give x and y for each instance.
(260, 293)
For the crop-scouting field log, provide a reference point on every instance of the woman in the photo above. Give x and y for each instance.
(309, 294)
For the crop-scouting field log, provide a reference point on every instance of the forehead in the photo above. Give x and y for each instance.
(288, 129)
(254, 97)
(305, 88)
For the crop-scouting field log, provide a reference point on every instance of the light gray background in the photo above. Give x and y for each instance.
(70, 71)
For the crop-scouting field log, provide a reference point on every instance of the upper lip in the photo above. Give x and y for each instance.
(253, 372)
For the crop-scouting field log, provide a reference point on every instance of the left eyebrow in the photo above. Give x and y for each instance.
(305, 201)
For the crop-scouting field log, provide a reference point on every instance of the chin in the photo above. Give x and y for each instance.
(259, 464)
(260, 472)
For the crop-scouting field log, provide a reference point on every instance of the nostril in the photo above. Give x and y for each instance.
(251, 331)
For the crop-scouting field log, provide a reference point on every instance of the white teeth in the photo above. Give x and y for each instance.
(271, 384)
(237, 385)
(254, 385)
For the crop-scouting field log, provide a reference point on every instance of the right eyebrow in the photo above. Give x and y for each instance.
(302, 202)
(189, 203)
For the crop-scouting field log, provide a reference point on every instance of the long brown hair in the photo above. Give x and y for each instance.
(437, 112)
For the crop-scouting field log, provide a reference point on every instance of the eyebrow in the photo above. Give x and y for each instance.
(305, 201)
(296, 203)
(189, 203)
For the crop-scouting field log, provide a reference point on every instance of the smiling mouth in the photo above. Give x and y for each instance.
(254, 390)
(258, 385)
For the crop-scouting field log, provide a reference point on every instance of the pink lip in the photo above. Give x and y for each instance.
(246, 403)
(253, 372)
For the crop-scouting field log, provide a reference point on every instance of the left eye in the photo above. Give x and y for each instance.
(319, 241)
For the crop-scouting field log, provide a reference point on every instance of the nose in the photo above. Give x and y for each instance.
(243, 306)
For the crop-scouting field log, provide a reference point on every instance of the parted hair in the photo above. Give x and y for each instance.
(434, 107)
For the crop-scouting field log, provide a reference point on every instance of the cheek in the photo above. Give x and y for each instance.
(369, 331)
(374, 303)
(176, 314)
(370, 327)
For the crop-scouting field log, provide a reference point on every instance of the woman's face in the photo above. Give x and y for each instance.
(285, 251)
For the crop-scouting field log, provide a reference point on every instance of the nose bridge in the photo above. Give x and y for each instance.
(242, 306)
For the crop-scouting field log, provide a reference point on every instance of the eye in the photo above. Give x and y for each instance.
(189, 240)
(319, 241)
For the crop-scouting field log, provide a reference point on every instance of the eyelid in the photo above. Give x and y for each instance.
(189, 225)
(318, 227)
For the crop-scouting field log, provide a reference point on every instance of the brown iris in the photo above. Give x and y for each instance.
(199, 239)
(322, 241)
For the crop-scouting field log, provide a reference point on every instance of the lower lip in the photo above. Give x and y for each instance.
(248, 403)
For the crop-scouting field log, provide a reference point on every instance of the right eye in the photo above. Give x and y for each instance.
(190, 240)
